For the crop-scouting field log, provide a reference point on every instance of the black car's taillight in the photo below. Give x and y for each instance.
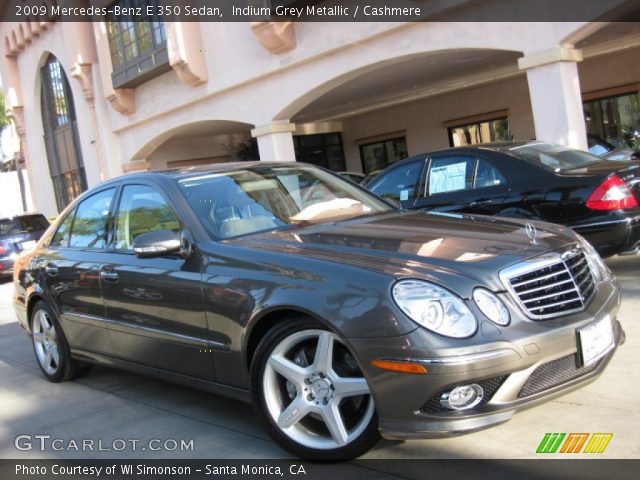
(3, 250)
(612, 194)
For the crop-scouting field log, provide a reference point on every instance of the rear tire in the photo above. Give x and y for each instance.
(310, 394)
(51, 347)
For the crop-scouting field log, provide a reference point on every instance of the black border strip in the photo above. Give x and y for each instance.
(217, 11)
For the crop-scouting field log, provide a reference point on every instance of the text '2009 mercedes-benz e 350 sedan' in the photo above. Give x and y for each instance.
(339, 317)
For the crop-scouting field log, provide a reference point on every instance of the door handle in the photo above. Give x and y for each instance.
(51, 269)
(479, 203)
(109, 275)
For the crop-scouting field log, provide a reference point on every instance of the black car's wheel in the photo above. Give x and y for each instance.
(51, 347)
(310, 393)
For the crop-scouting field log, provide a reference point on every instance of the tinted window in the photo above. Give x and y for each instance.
(142, 209)
(34, 223)
(399, 183)
(89, 227)
(555, 157)
(614, 119)
(495, 130)
(450, 174)
(61, 237)
(31, 223)
(324, 150)
(378, 155)
(487, 175)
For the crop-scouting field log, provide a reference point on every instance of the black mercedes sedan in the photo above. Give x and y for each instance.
(340, 318)
(531, 180)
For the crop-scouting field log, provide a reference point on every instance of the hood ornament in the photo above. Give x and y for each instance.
(532, 233)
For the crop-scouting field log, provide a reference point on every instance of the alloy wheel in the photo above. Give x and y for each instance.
(314, 391)
(45, 341)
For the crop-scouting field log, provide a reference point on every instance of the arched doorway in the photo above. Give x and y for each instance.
(61, 133)
(415, 103)
(197, 143)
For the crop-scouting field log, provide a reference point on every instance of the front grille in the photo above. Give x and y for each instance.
(557, 288)
(554, 373)
(489, 387)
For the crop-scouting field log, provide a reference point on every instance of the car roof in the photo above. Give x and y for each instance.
(501, 147)
(181, 173)
(23, 215)
(493, 146)
(186, 172)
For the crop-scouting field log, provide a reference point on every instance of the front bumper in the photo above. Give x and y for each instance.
(527, 363)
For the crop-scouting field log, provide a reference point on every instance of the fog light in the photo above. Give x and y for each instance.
(462, 397)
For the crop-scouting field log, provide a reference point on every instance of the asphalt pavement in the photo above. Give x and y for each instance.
(115, 415)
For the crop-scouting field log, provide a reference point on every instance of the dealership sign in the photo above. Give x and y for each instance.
(574, 443)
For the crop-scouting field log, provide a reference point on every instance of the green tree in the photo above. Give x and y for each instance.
(4, 118)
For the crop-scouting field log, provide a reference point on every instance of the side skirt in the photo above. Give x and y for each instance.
(198, 383)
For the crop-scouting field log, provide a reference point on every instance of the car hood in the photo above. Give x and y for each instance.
(421, 244)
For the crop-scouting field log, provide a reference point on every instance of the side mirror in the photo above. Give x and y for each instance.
(156, 244)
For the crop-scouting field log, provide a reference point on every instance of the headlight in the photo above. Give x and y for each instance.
(491, 306)
(600, 270)
(434, 308)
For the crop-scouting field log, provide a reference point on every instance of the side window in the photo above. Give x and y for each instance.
(399, 184)
(61, 237)
(142, 209)
(450, 174)
(487, 175)
(90, 225)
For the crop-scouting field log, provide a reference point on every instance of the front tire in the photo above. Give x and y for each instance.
(310, 394)
(51, 348)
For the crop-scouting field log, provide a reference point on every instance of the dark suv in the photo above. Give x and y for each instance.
(17, 234)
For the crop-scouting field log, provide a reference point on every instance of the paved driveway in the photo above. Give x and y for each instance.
(121, 410)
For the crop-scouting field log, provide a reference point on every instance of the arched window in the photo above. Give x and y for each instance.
(60, 134)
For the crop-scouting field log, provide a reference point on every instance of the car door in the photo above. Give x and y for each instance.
(154, 304)
(400, 184)
(70, 265)
(462, 183)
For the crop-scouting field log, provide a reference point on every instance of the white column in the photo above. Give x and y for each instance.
(275, 142)
(554, 88)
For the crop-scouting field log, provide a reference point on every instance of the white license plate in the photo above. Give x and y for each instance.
(595, 340)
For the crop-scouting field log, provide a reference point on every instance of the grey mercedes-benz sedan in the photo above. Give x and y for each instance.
(339, 317)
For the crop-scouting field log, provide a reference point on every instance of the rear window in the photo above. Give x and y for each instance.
(555, 157)
(32, 223)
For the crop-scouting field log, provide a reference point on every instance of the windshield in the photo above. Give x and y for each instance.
(241, 202)
(555, 157)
